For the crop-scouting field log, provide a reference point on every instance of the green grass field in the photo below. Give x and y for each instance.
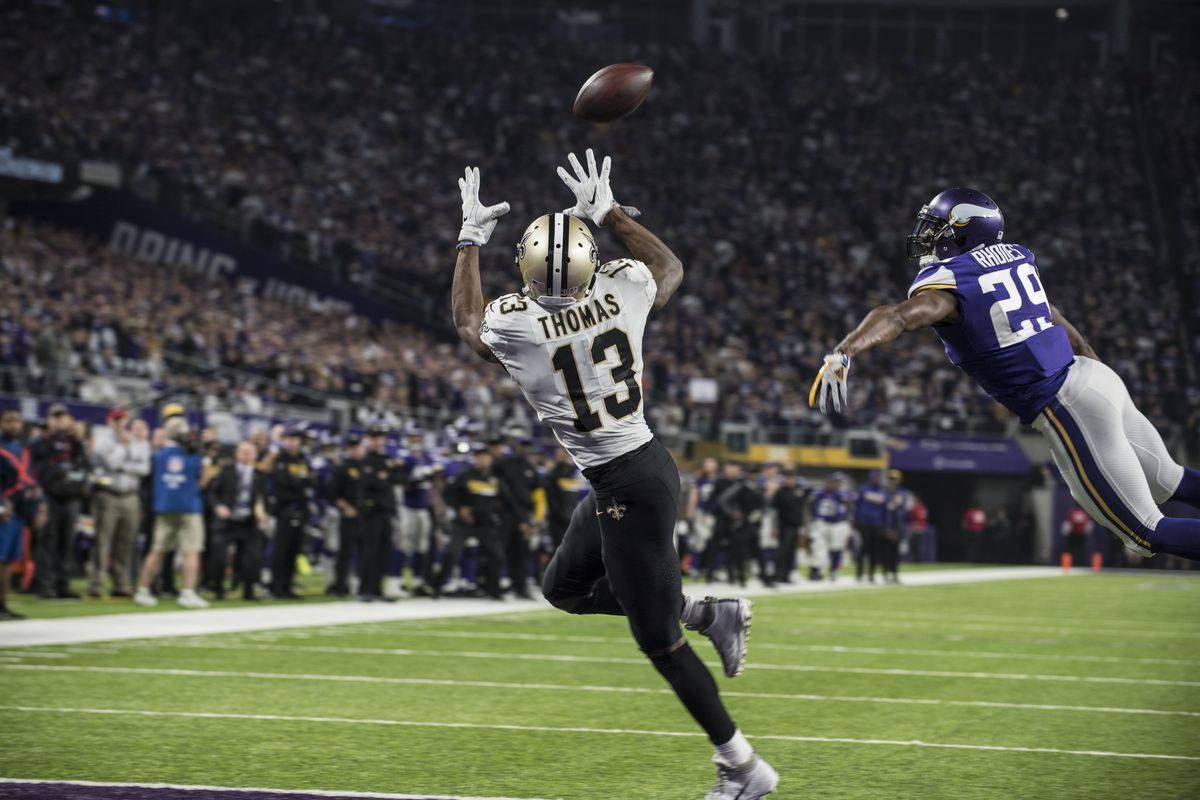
(1099, 665)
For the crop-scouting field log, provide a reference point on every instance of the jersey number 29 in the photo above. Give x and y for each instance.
(1024, 311)
(587, 419)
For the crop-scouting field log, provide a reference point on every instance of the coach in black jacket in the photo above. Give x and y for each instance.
(239, 494)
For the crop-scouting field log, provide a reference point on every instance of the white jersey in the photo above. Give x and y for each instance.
(580, 367)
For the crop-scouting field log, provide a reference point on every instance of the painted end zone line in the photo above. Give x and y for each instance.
(178, 787)
(605, 731)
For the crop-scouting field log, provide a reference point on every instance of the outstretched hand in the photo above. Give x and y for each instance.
(593, 194)
(478, 220)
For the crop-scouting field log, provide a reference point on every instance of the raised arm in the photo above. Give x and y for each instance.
(880, 326)
(643, 245)
(466, 297)
(594, 201)
(466, 292)
(1078, 344)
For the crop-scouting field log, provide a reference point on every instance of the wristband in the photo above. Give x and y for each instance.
(467, 243)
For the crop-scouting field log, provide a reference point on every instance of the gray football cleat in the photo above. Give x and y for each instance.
(726, 622)
(756, 778)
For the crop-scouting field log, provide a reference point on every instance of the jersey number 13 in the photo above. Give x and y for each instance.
(586, 418)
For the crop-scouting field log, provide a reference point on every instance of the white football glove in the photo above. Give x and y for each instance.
(478, 220)
(593, 195)
(831, 383)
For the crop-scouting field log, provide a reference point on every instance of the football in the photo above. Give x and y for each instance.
(613, 92)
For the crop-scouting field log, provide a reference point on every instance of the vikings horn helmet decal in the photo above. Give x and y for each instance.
(953, 222)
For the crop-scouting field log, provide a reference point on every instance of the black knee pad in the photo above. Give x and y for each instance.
(556, 594)
(561, 600)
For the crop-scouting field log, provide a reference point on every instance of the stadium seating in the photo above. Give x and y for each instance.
(787, 197)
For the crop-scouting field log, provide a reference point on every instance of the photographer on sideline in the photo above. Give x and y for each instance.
(178, 509)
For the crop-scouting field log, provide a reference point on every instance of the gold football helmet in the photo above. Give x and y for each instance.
(557, 257)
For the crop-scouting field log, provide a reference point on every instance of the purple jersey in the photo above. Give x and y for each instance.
(419, 469)
(1004, 338)
(704, 491)
(831, 505)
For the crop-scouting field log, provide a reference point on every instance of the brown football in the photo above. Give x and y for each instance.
(613, 92)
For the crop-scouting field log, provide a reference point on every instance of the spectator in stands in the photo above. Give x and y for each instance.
(121, 459)
(178, 513)
(61, 465)
(239, 492)
(837, 123)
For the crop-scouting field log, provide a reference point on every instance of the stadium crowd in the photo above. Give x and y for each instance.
(381, 515)
(786, 186)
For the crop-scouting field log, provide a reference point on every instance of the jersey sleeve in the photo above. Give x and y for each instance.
(501, 325)
(937, 275)
(633, 276)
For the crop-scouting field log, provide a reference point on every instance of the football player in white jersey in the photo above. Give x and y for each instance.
(572, 339)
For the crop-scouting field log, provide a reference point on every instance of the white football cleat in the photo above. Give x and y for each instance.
(726, 622)
(143, 597)
(756, 778)
(189, 599)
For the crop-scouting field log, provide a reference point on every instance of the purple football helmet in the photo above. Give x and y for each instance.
(955, 221)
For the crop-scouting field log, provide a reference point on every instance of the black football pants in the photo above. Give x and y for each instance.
(618, 557)
(350, 544)
(869, 551)
(289, 533)
(376, 532)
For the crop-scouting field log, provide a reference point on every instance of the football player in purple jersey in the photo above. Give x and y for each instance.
(984, 299)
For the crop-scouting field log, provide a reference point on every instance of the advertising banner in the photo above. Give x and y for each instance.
(984, 456)
(154, 235)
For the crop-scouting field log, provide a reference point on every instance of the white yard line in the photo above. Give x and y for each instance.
(288, 792)
(808, 648)
(601, 731)
(113, 627)
(816, 621)
(1007, 619)
(523, 686)
(754, 665)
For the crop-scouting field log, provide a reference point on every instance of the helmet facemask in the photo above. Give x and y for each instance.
(929, 229)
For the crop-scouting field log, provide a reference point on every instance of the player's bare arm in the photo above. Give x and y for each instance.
(466, 292)
(594, 201)
(467, 301)
(643, 245)
(1078, 344)
(882, 325)
(885, 323)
